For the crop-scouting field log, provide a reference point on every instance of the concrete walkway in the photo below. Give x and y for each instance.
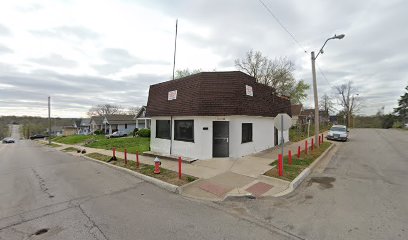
(222, 177)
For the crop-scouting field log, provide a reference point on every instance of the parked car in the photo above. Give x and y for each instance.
(37, 136)
(338, 132)
(116, 134)
(9, 140)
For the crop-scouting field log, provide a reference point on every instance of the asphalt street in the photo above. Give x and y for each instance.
(47, 194)
(361, 194)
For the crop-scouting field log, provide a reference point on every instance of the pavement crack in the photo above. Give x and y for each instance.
(94, 225)
(42, 184)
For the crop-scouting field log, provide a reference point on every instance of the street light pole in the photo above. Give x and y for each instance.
(316, 116)
(49, 120)
(316, 100)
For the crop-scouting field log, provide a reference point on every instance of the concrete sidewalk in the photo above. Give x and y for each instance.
(222, 177)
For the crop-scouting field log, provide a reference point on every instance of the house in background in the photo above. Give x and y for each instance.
(119, 122)
(69, 130)
(83, 126)
(141, 120)
(96, 123)
(214, 114)
(296, 110)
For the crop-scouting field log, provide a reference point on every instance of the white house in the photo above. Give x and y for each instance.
(119, 122)
(141, 120)
(214, 114)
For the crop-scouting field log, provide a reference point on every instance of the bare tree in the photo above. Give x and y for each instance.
(348, 100)
(105, 109)
(277, 73)
(133, 110)
(326, 104)
(186, 72)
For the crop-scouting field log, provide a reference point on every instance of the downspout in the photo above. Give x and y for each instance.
(171, 132)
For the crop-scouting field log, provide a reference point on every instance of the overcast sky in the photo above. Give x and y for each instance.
(83, 53)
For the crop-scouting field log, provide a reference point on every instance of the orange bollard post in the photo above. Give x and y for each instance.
(306, 147)
(157, 164)
(280, 165)
(125, 156)
(298, 155)
(137, 159)
(290, 157)
(179, 167)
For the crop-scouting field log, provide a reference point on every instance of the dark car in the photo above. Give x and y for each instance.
(9, 140)
(37, 136)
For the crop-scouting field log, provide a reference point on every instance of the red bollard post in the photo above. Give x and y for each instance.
(319, 140)
(290, 157)
(322, 137)
(125, 156)
(280, 165)
(298, 152)
(114, 152)
(306, 147)
(137, 159)
(179, 167)
(312, 144)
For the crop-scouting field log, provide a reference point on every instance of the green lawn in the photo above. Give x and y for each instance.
(290, 172)
(145, 169)
(131, 144)
(99, 141)
(77, 139)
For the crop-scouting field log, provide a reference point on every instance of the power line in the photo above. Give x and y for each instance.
(282, 26)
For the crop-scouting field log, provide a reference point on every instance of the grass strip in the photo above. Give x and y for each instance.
(165, 175)
(70, 149)
(290, 172)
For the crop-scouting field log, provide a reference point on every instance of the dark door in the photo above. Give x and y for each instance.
(220, 139)
(275, 136)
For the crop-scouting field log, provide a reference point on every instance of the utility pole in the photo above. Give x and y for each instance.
(316, 117)
(49, 120)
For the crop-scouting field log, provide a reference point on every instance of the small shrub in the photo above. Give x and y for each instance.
(135, 132)
(144, 132)
(98, 132)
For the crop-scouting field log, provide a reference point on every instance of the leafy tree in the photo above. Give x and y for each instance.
(402, 109)
(277, 73)
(105, 109)
(185, 72)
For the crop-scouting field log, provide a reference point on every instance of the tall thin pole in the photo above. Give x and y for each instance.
(175, 48)
(316, 118)
(49, 120)
(174, 68)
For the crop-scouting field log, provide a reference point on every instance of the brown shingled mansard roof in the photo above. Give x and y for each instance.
(215, 94)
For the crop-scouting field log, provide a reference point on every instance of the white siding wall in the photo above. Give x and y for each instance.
(201, 148)
(129, 129)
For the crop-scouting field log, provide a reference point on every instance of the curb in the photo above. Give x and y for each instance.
(167, 186)
(305, 173)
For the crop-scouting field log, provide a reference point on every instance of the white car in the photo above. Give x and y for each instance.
(338, 132)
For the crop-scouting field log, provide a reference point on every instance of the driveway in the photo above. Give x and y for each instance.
(362, 194)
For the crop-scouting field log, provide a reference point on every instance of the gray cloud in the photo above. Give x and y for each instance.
(77, 93)
(55, 60)
(5, 50)
(4, 31)
(68, 32)
(117, 59)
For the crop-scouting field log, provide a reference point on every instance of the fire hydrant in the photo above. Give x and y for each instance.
(157, 164)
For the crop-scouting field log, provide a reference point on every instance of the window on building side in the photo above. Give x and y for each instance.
(184, 130)
(163, 129)
(246, 132)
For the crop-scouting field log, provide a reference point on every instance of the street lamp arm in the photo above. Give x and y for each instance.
(334, 37)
